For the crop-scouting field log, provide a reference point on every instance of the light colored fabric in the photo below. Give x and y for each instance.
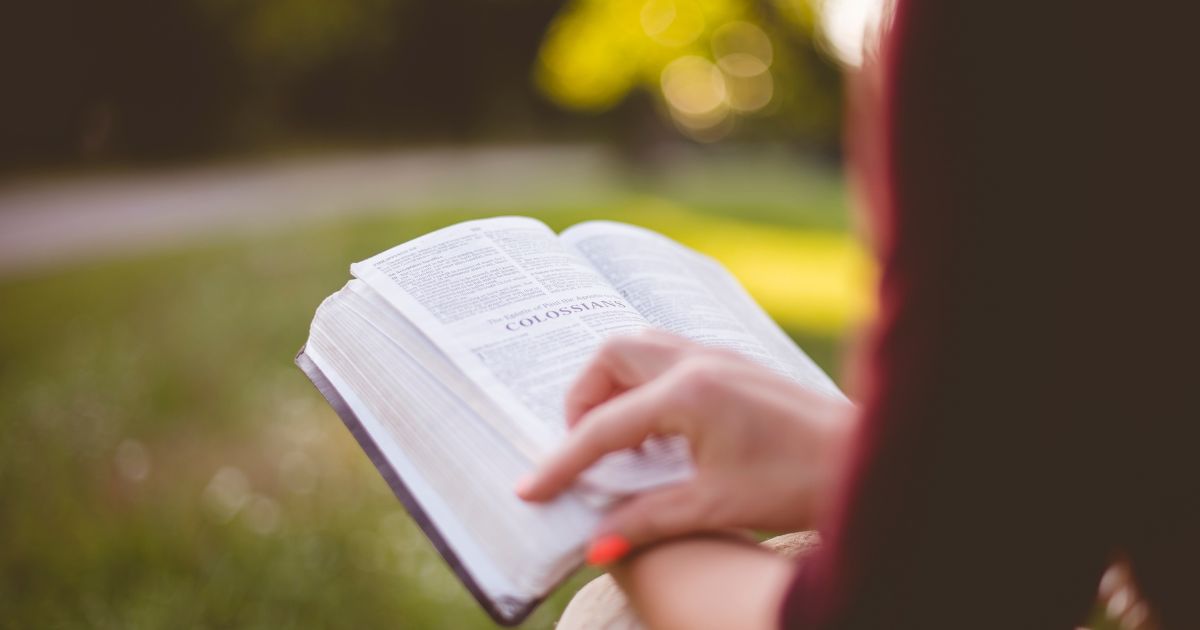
(793, 545)
(600, 604)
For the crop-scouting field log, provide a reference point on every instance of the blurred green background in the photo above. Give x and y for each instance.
(182, 182)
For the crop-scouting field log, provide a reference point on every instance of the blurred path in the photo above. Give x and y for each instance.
(51, 222)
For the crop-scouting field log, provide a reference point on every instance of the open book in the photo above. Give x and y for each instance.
(449, 357)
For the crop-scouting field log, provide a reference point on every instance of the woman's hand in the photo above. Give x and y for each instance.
(765, 448)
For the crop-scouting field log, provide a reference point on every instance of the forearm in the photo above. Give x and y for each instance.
(705, 582)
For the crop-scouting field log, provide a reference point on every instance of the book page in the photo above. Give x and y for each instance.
(687, 293)
(517, 312)
(447, 455)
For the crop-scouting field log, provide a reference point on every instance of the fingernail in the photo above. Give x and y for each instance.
(607, 549)
(524, 484)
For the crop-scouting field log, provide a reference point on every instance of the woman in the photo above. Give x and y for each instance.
(1030, 399)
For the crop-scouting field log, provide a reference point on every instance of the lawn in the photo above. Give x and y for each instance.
(163, 463)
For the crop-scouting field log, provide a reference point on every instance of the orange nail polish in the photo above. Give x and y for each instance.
(607, 549)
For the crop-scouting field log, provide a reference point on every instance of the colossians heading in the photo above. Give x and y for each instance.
(562, 311)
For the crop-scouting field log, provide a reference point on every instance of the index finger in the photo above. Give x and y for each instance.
(621, 363)
(622, 422)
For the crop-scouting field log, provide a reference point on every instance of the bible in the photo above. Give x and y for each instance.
(449, 356)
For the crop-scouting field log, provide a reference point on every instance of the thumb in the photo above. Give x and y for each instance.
(658, 514)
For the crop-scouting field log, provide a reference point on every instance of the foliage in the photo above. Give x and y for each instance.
(708, 62)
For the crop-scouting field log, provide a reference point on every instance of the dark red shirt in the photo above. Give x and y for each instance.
(1031, 404)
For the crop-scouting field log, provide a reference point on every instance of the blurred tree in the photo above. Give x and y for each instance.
(711, 64)
(146, 80)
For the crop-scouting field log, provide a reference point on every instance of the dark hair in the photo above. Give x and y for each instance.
(1031, 410)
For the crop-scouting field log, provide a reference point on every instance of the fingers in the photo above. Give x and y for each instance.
(622, 422)
(598, 382)
(660, 514)
(620, 364)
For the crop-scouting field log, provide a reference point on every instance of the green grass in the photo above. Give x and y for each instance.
(163, 463)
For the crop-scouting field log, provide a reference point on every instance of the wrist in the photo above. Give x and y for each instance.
(716, 580)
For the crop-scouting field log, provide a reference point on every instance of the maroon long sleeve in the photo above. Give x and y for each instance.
(1031, 407)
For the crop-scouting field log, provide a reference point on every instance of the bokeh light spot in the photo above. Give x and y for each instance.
(227, 493)
(695, 90)
(263, 515)
(750, 93)
(742, 49)
(132, 460)
(847, 25)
